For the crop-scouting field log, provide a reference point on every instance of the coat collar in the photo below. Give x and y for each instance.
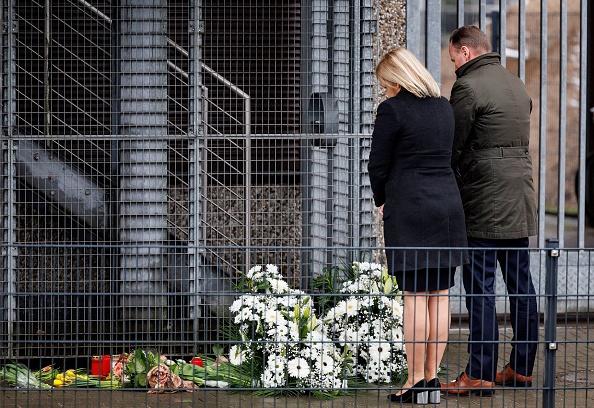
(475, 63)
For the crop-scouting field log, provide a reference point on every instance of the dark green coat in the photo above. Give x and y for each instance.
(490, 154)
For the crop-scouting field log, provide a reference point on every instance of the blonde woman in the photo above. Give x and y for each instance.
(415, 189)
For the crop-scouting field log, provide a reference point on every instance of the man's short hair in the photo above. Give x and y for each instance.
(472, 37)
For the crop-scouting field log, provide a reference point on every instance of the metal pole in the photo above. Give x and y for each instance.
(550, 335)
(542, 132)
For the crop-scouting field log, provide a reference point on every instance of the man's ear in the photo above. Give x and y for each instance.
(465, 52)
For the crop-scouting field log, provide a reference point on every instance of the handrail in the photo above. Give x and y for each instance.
(233, 88)
(247, 132)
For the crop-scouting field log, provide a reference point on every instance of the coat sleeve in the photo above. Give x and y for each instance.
(381, 155)
(463, 101)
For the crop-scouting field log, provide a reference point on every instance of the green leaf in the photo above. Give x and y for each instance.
(141, 380)
(139, 361)
(218, 350)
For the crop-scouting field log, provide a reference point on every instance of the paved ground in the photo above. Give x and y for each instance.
(574, 385)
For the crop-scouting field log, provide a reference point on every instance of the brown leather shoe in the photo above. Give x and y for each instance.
(463, 385)
(509, 378)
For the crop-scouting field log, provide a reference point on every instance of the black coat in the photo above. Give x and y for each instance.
(410, 173)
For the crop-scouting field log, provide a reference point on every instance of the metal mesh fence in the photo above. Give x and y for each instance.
(242, 332)
(152, 152)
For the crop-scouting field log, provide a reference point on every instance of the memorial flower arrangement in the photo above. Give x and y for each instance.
(137, 369)
(368, 322)
(282, 340)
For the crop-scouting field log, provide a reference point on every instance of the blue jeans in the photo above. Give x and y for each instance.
(479, 278)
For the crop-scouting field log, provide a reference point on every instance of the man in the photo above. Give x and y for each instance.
(491, 160)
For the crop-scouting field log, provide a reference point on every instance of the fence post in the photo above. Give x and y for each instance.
(550, 333)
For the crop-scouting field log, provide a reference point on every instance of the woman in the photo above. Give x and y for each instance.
(415, 189)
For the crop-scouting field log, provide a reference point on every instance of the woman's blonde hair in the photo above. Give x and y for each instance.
(400, 66)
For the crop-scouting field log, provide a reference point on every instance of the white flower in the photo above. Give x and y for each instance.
(287, 334)
(294, 331)
(338, 310)
(246, 314)
(298, 368)
(379, 351)
(278, 285)
(278, 333)
(370, 325)
(273, 378)
(350, 335)
(272, 270)
(274, 317)
(352, 307)
(237, 355)
(254, 270)
(276, 362)
(363, 330)
(325, 363)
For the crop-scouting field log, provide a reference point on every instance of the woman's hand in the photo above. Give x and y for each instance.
(381, 210)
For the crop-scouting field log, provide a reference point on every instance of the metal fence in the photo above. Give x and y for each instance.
(83, 332)
(152, 151)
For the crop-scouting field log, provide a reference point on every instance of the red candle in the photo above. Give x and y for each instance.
(95, 365)
(105, 366)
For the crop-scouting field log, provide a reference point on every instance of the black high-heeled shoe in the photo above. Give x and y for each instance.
(434, 387)
(418, 394)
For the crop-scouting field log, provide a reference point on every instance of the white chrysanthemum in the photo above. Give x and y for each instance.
(253, 271)
(379, 351)
(278, 285)
(237, 305)
(244, 314)
(275, 317)
(396, 335)
(276, 362)
(243, 301)
(350, 335)
(352, 307)
(278, 333)
(338, 311)
(298, 368)
(272, 378)
(273, 270)
(363, 330)
(314, 341)
(325, 363)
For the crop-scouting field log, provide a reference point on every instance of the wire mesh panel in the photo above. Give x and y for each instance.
(160, 157)
(139, 129)
(99, 154)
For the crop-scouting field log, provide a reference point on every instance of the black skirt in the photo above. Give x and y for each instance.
(426, 279)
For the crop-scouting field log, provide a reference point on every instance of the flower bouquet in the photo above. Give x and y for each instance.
(368, 322)
(143, 368)
(280, 339)
(19, 375)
